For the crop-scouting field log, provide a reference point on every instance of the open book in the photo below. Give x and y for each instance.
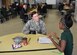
(44, 40)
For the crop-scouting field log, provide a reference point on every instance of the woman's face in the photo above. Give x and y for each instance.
(61, 26)
(35, 17)
(24, 6)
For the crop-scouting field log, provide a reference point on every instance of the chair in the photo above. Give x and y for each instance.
(23, 17)
(9, 13)
(4, 13)
(1, 18)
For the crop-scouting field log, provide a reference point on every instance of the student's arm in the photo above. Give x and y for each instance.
(43, 28)
(55, 35)
(26, 29)
(60, 47)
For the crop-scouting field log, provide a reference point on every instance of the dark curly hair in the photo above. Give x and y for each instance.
(67, 21)
(34, 12)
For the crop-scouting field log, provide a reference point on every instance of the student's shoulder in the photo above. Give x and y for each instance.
(41, 21)
(63, 33)
(28, 22)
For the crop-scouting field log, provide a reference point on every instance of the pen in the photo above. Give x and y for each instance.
(29, 40)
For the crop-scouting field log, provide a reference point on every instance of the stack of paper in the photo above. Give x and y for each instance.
(44, 40)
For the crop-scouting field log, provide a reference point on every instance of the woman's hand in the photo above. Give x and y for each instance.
(50, 37)
(55, 34)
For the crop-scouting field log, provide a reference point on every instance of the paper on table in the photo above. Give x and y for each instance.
(44, 40)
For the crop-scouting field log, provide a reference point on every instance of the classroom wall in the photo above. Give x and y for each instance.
(49, 2)
(67, 1)
(61, 1)
(31, 1)
(76, 11)
(0, 3)
(25, 1)
(64, 0)
(40, 1)
(12, 1)
(21, 1)
(43, 1)
(6, 3)
(15, 0)
(57, 3)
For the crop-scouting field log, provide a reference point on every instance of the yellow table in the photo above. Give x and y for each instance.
(33, 48)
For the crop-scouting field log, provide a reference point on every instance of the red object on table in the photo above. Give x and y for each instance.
(24, 41)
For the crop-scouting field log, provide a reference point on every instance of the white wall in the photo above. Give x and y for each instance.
(57, 3)
(64, 0)
(67, 1)
(12, 1)
(25, 1)
(21, 1)
(40, 1)
(0, 3)
(61, 1)
(43, 1)
(51, 2)
(15, 0)
(31, 1)
(76, 10)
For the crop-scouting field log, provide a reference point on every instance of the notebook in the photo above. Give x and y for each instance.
(44, 40)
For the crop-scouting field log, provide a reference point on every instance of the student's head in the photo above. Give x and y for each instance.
(35, 16)
(24, 6)
(66, 23)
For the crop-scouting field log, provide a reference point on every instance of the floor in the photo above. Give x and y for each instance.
(15, 25)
